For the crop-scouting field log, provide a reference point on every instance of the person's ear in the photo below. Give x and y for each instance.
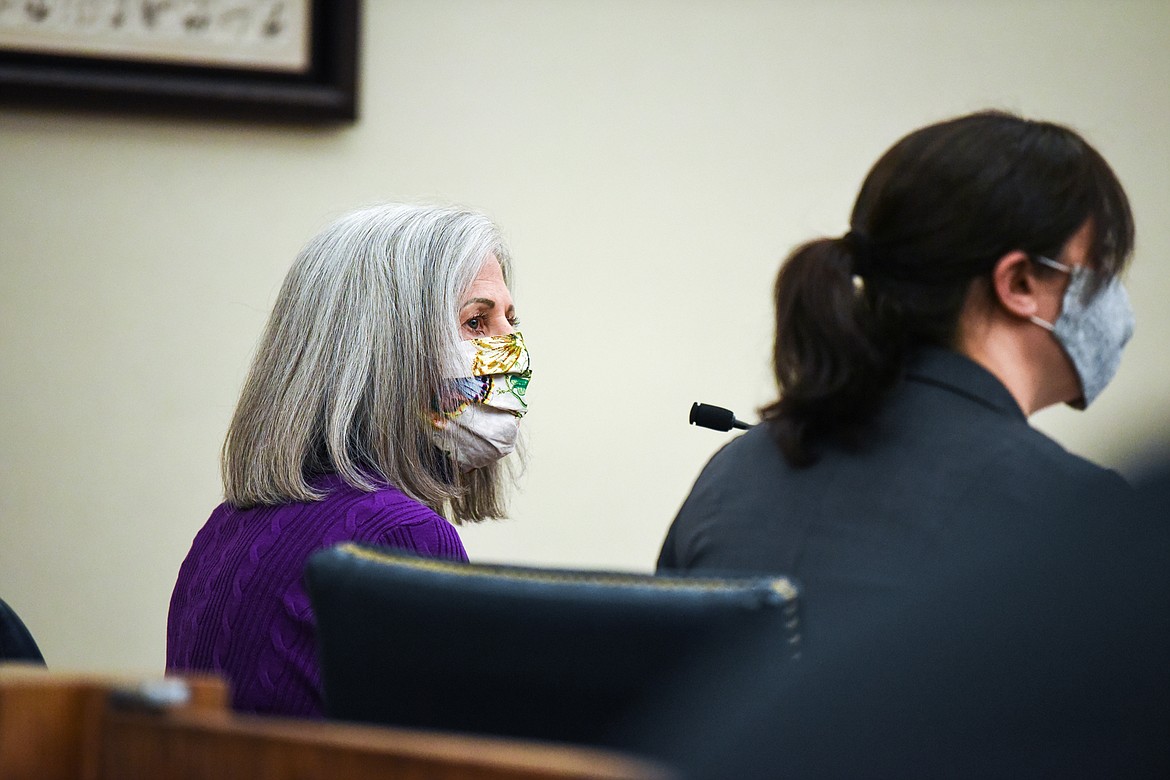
(1015, 286)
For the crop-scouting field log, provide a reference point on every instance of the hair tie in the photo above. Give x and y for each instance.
(862, 252)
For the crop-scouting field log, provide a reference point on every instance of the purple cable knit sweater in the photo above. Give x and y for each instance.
(240, 608)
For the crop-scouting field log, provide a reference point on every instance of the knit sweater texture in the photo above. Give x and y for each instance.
(240, 608)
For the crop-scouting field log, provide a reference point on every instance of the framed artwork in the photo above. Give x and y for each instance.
(265, 59)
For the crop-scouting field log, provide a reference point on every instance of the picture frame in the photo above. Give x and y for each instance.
(279, 60)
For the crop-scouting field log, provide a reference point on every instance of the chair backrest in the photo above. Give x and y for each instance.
(16, 643)
(523, 652)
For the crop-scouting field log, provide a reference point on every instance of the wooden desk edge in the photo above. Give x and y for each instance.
(83, 717)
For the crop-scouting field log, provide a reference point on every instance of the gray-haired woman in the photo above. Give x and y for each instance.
(388, 383)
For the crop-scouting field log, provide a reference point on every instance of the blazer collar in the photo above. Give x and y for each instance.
(959, 374)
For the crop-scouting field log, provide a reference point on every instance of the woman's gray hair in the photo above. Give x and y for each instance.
(362, 335)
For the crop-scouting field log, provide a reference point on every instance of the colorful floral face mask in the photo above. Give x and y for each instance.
(477, 416)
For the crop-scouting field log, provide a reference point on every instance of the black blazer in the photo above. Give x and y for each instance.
(1053, 663)
(950, 463)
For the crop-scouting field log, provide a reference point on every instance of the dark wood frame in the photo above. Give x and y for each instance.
(327, 91)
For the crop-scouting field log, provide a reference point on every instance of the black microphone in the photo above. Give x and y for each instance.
(716, 418)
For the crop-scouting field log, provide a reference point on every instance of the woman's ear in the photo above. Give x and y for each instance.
(1015, 286)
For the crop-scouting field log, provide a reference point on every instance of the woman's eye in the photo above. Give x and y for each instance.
(475, 323)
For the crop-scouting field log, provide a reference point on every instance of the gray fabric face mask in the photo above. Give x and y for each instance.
(1092, 330)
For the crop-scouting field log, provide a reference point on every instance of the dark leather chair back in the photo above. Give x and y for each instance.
(524, 652)
(16, 643)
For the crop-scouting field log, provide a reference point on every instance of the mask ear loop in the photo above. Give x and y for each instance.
(1048, 326)
(1048, 261)
(1056, 265)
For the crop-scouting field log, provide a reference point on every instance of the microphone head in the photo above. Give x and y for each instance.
(714, 417)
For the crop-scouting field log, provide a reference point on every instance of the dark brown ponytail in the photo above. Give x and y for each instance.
(831, 356)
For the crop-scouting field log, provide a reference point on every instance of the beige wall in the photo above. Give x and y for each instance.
(650, 161)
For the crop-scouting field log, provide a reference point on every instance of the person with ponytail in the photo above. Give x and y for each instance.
(387, 386)
(977, 283)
